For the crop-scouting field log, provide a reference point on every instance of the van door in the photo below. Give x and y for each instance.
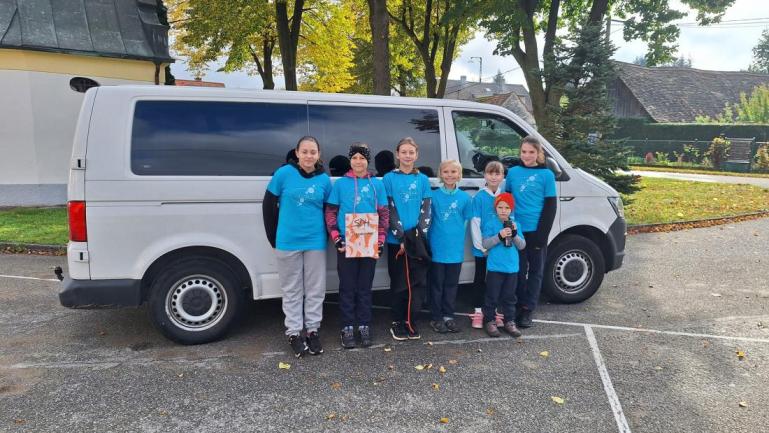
(337, 125)
(475, 137)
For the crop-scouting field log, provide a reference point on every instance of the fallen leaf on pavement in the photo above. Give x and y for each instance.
(436, 386)
(558, 400)
(740, 354)
(489, 411)
(715, 295)
(444, 420)
(391, 367)
(180, 375)
(284, 366)
(388, 349)
(429, 343)
(336, 385)
(453, 361)
(442, 370)
(743, 404)
(163, 413)
(705, 343)
(331, 416)
(19, 421)
(480, 350)
(544, 354)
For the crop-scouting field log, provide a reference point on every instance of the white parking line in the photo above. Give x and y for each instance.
(657, 331)
(18, 277)
(616, 407)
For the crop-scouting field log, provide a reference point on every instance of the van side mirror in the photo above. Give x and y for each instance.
(560, 175)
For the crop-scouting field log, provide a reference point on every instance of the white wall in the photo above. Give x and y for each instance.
(38, 112)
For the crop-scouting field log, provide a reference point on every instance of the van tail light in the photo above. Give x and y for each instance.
(76, 214)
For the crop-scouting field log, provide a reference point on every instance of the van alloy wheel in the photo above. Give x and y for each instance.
(196, 302)
(573, 271)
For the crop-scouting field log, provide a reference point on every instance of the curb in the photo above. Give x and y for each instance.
(37, 249)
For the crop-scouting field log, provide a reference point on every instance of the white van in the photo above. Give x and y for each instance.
(166, 186)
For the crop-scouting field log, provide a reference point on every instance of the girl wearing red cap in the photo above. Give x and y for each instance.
(502, 241)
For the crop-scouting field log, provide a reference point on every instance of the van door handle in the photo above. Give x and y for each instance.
(567, 198)
(470, 188)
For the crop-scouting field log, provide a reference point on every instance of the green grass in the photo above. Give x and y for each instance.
(673, 169)
(660, 201)
(34, 226)
(666, 200)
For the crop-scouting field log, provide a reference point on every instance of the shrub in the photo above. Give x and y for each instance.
(661, 158)
(762, 158)
(718, 151)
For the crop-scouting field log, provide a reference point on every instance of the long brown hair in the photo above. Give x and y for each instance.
(536, 144)
(310, 138)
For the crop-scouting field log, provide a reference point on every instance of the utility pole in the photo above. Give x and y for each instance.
(480, 70)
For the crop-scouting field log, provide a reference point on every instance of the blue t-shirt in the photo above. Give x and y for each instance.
(371, 192)
(483, 208)
(300, 224)
(450, 212)
(529, 186)
(501, 258)
(407, 191)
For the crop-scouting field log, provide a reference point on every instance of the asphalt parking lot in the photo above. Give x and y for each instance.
(676, 340)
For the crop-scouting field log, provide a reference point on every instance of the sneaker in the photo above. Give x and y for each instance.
(412, 331)
(451, 325)
(476, 320)
(398, 331)
(313, 343)
(297, 345)
(500, 318)
(365, 336)
(348, 337)
(523, 319)
(491, 329)
(511, 329)
(439, 326)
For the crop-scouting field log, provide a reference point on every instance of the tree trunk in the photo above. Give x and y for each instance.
(267, 76)
(288, 38)
(379, 21)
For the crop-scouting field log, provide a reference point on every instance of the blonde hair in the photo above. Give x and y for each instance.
(494, 167)
(537, 145)
(450, 163)
(406, 140)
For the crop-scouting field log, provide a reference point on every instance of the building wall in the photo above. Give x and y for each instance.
(38, 115)
(624, 103)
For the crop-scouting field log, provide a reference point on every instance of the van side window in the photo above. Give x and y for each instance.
(484, 137)
(202, 138)
(336, 127)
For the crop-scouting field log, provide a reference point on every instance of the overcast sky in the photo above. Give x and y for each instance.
(724, 47)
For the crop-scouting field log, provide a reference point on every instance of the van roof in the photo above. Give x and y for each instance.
(178, 91)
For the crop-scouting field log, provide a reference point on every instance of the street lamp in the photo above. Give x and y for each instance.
(480, 70)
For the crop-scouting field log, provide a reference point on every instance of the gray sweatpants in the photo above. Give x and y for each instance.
(303, 282)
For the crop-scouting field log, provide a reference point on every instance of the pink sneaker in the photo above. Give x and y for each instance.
(500, 320)
(476, 320)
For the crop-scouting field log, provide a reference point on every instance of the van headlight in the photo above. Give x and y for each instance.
(616, 203)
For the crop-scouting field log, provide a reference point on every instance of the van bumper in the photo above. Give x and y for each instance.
(616, 234)
(100, 293)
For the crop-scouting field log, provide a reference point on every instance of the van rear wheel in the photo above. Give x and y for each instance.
(194, 301)
(574, 270)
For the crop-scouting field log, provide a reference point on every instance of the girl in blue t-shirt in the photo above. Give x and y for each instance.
(483, 210)
(408, 196)
(356, 192)
(533, 186)
(502, 242)
(451, 209)
(293, 220)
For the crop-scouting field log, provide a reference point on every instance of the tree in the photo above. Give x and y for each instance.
(288, 37)
(326, 48)
(379, 20)
(750, 109)
(437, 28)
(761, 55)
(242, 31)
(516, 24)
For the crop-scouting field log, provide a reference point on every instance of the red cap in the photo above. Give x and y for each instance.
(507, 198)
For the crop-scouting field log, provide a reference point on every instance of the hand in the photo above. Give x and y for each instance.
(339, 244)
(401, 251)
(505, 232)
(380, 247)
(515, 229)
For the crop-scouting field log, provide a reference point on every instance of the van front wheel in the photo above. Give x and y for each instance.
(574, 270)
(195, 301)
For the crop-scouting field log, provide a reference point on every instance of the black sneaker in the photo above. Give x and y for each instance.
(365, 335)
(438, 326)
(398, 331)
(451, 326)
(313, 343)
(413, 333)
(297, 345)
(348, 337)
(523, 319)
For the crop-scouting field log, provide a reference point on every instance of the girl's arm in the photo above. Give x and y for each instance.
(545, 223)
(475, 234)
(491, 241)
(519, 242)
(425, 215)
(270, 216)
(384, 222)
(396, 226)
(331, 216)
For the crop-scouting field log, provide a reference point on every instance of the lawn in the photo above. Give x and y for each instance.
(666, 200)
(660, 201)
(34, 226)
(673, 169)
